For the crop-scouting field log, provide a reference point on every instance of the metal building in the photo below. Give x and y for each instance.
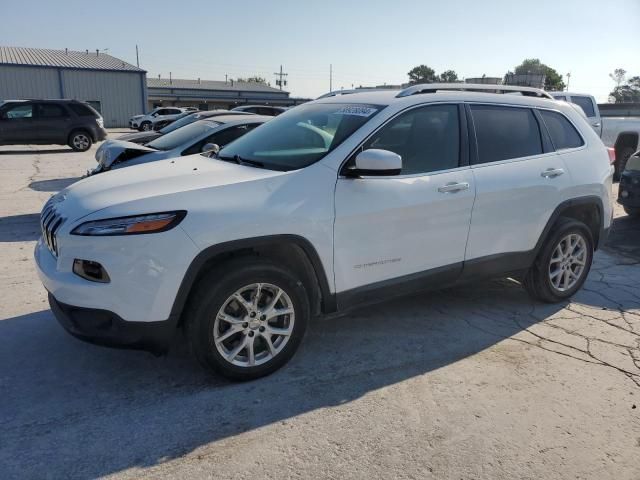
(211, 94)
(112, 86)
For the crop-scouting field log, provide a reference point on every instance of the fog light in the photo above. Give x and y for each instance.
(624, 194)
(92, 271)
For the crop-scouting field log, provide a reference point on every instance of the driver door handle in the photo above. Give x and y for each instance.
(552, 172)
(453, 187)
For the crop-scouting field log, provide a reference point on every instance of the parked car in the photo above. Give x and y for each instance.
(50, 122)
(159, 124)
(337, 202)
(629, 189)
(145, 122)
(145, 137)
(187, 140)
(268, 110)
(620, 133)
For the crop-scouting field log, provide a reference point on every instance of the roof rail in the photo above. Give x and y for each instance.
(472, 87)
(335, 93)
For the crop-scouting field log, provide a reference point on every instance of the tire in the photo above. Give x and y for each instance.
(80, 140)
(213, 313)
(145, 126)
(540, 282)
(632, 211)
(621, 163)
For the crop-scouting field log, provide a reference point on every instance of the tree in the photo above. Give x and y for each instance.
(629, 92)
(449, 76)
(618, 76)
(553, 80)
(422, 74)
(254, 79)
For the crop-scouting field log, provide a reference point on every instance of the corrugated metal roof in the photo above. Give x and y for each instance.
(183, 84)
(44, 57)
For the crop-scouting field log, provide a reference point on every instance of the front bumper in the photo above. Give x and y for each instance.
(134, 124)
(102, 327)
(629, 189)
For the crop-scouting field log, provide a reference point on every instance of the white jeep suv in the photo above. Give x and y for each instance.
(337, 202)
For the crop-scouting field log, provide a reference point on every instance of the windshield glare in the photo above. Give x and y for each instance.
(182, 135)
(181, 122)
(300, 136)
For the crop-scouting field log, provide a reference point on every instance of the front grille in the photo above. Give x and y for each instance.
(50, 222)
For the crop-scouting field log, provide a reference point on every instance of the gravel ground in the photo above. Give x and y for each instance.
(475, 382)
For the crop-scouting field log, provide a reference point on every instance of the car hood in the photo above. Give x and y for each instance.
(162, 178)
(136, 117)
(111, 150)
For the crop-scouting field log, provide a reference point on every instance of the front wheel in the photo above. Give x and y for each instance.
(80, 141)
(563, 263)
(145, 126)
(247, 318)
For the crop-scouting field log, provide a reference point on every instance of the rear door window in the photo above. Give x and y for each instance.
(585, 103)
(563, 133)
(505, 133)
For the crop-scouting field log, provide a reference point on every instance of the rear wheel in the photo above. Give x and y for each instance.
(247, 318)
(145, 126)
(563, 263)
(80, 141)
(632, 211)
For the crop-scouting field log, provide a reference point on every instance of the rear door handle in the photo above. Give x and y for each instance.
(552, 172)
(453, 187)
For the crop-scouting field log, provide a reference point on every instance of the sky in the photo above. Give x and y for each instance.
(367, 42)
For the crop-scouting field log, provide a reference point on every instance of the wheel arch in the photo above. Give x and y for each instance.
(588, 210)
(80, 129)
(295, 251)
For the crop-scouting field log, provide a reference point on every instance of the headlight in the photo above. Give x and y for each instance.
(134, 225)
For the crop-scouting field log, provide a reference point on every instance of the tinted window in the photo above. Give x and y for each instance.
(221, 139)
(300, 136)
(51, 110)
(427, 139)
(82, 110)
(19, 111)
(585, 103)
(560, 97)
(505, 132)
(563, 134)
(181, 122)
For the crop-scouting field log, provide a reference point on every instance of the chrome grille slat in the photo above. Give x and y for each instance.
(50, 222)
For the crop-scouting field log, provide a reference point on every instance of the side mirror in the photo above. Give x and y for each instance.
(376, 162)
(211, 149)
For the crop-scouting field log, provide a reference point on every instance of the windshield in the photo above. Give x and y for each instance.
(181, 122)
(182, 135)
(300, 136)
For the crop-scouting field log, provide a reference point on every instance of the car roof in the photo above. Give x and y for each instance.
(564, 94)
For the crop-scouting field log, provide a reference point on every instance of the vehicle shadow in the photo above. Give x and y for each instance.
(20, 228)
(36, 152)
(53, 185)
(75, 410)
(624, 238)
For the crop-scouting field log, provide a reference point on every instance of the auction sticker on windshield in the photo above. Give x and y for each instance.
(359, 110)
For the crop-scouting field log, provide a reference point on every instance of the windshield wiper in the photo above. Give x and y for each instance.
(241, 161)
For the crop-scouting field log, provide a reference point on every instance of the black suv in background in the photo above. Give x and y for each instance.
(46, 122)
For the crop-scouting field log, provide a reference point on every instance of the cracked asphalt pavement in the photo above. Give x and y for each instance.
(474, 382)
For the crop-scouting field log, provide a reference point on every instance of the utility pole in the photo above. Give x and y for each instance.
(137, 57)
(331, 77)
(568, 80)
(280, 82)
(225, 78)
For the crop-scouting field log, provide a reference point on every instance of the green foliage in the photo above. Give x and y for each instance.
(449, 76)
(618, 76)
(553, 80)
(629, 92)
(254, 79)
(422, 74)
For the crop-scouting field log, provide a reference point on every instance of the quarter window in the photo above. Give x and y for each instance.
(504, 133)
(427, 139)
(563, 134)
(585, 103)
(50, 110)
